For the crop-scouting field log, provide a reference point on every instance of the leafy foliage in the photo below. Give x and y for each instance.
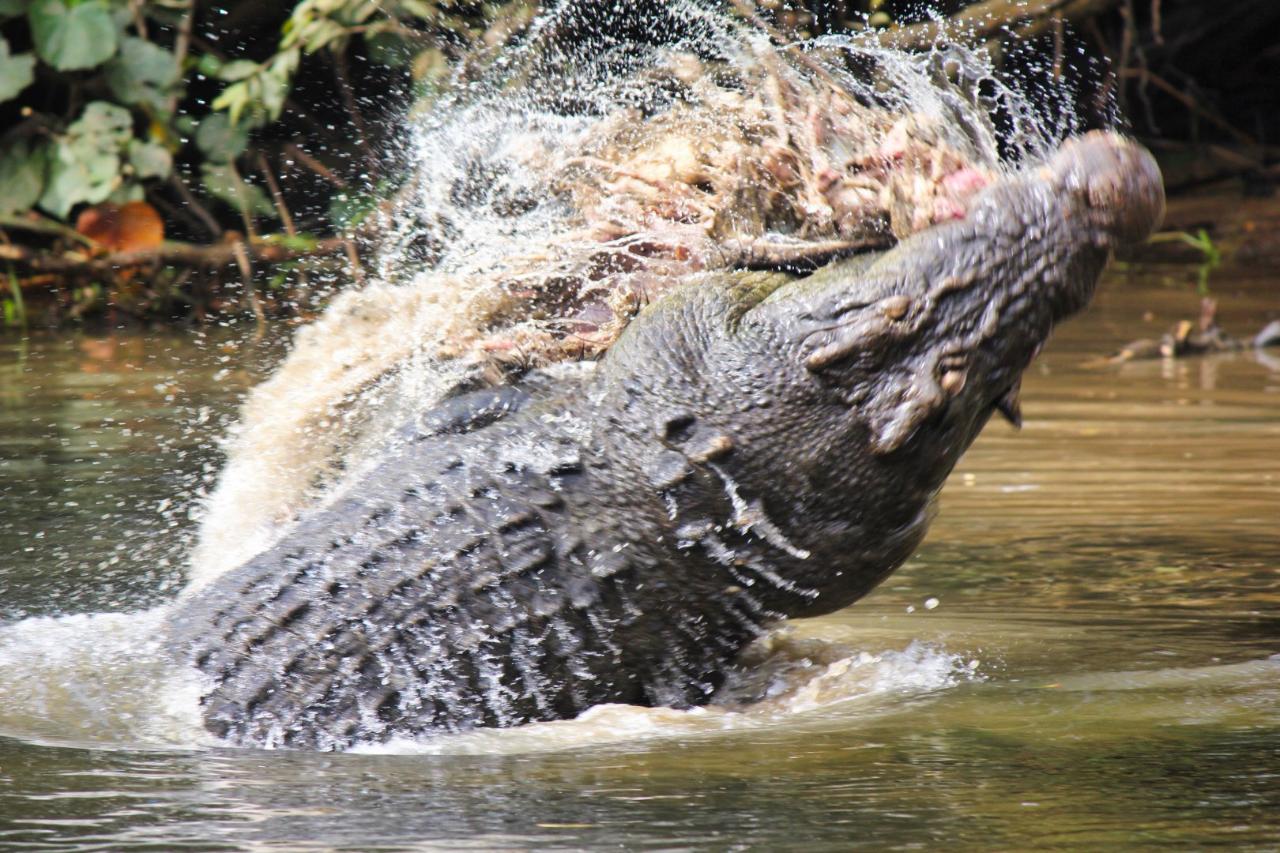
(16, 72)
(220, 139)
(224, 182)
(22, 168)
(71, 36)
(86, 160)
(89, 152)
(142, 74)
(136, 96)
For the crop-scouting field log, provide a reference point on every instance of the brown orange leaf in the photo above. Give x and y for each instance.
(122, 228)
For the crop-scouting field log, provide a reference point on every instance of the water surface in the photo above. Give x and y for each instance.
(1082, 656)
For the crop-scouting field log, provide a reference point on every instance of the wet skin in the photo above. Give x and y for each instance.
(754, 447)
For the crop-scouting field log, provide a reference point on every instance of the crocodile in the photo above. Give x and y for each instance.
(756, 446)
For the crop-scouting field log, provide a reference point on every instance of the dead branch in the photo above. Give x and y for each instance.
(174, 254)
(182, 44)
(286, 218)
(1145, 76)
(984, 20)
(194, 204)
(314, 165)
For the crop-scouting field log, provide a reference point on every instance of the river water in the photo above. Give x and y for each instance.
(1083, 655)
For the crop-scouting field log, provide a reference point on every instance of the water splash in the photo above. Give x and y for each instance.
(107, 681)
(101, 680)
(794, 683)
(596, 163)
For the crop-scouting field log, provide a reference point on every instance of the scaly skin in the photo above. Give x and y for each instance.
(754, 447)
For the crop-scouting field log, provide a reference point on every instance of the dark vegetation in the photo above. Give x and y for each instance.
(176, 160)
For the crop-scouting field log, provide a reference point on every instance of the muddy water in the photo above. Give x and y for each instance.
(1083, 655)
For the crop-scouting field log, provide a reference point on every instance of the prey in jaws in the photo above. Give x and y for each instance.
(754, 447)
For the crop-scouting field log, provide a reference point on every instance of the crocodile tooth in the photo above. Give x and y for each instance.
(1010, 405)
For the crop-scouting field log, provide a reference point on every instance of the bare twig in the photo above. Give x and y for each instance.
(246, 215)
(173, 211)
(285, 216)
(1103, 96)
(276, 196)
(340, 74)
(194, 205)
(182, 44)
(315, 165)
(139, 20)
(1145, 76)
(1072, 11)
(353, 258)
(747, 10)
(1059, 39)
(241, 253)
(42, 225)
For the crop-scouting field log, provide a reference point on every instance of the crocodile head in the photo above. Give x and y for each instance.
(879, 373)
(926, 342)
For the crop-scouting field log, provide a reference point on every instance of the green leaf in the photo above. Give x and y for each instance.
(261, 93)
(127, 193)
(85, 166)
(78, 175)
(22, 168)
(142, 73)
(237, 69)
(348, 209)
(319, 34)
(219, 139)
(121, 15)
(71, 37)
(272, 94)
(234, 99)
(208, 65)
(430, 66)
(103, 125)
(149, 160)
(296, 242)
(276, 81)
(426, 11)
(16, 72)
(224, 184)
(389, 49)
(12, 8)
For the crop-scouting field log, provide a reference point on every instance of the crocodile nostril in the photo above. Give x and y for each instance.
(677, 427)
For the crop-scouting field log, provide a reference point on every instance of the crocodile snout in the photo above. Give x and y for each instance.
(1116, 178)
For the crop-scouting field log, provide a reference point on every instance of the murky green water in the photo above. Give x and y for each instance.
(1113, 569)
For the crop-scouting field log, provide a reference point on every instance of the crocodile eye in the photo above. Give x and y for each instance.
(895, 307)
(952, 381)
(952, 373)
